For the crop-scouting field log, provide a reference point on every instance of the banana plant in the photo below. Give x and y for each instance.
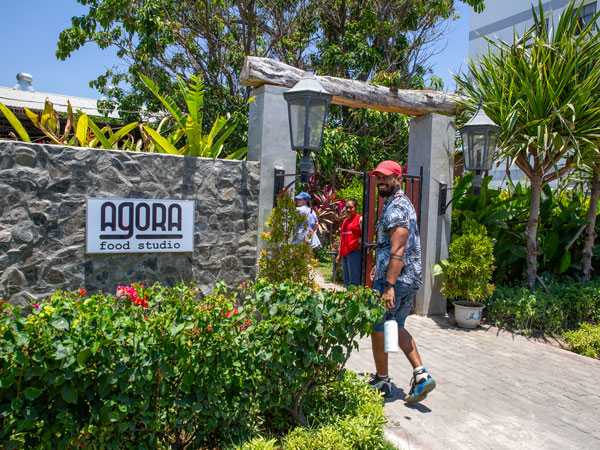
(190, 124)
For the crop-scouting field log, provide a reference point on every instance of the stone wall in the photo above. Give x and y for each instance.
(43, 218)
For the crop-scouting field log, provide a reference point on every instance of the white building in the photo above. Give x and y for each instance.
(501, 17)
(499, 21)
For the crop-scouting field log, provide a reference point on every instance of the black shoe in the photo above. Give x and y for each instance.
(382, 385)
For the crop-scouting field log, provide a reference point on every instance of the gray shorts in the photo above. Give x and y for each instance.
(403, 299)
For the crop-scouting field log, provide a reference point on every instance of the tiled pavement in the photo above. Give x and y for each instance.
(495, 390)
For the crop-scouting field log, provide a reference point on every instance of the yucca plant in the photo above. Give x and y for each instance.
(196, 143)
(542, 90)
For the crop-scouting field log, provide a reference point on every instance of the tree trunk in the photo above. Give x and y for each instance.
(590, 233)
(531, 247)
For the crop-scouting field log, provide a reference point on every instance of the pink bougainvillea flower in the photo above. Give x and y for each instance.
(228, 314)
(131, 292)
(36, 306)
(243, 284)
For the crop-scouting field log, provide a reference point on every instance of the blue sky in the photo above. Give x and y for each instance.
(29, 32)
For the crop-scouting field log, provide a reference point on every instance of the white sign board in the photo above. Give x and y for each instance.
(139, 226)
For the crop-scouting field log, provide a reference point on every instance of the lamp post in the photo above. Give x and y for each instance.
(308, 102)
(479, 139)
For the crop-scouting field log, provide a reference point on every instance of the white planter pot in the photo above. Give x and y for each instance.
(468, 314)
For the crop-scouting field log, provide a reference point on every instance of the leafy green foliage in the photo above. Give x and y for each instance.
(469, 267)
(504, 214)
(563, 308)
(354, 189)
(346, 414)
(541, 90)
(585, 340)
(282, 259)
(385, 42)
(310, 335)
(167, 367)
(190, 125)
(80, 131)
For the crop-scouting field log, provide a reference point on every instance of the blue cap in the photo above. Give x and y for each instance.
(302, 196)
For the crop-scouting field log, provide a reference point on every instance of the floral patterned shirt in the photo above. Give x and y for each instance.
(398, 211)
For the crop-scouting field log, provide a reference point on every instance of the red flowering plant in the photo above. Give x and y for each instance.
(133, 292)
(97, 373)
(327, 206)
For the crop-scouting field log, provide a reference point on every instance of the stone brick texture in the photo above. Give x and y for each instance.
(43, 189)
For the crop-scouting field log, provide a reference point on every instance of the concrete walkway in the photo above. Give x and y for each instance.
(495, 390)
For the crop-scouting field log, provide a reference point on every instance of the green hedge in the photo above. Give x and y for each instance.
(167, 367)
(585, 340)
(345, 415)
(564, 308)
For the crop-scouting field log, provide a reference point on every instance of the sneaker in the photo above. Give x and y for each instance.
(382, 385)
(421, 385)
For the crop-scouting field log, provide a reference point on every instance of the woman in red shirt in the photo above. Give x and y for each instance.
(349, 253)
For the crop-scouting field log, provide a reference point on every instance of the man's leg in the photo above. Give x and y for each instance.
(408, 346)
(381, 380)
(422, 383)
(379, 355)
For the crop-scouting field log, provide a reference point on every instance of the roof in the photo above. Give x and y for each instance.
(15, 98)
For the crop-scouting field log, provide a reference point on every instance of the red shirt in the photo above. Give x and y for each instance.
(351, 234)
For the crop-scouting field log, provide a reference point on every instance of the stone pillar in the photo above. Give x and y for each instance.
(431, 146)
(269, 143)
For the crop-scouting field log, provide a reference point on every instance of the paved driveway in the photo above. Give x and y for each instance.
(495, 390)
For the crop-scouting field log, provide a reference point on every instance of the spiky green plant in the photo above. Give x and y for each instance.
(196, 143)
(542, 90)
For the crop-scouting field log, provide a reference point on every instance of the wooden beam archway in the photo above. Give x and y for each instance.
(259, 71)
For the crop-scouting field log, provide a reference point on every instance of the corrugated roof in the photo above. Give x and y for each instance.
(15, 98)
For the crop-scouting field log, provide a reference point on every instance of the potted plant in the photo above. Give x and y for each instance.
(467, 274)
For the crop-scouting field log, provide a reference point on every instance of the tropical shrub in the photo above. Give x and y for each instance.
(310, 338)
(346, 414)
(585, 340)
(354, 190)
(504, 214)
(548, 109)
(78, 131)
(189, 125)
(282, 259)
(131, 371)
(563, 308)
(469, 267)
(167, 367)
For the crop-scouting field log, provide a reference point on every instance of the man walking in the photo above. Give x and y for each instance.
(397, 279)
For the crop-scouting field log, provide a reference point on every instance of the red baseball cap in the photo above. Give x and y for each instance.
(388, 168)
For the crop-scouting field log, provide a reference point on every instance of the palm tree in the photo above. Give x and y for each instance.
(542, 91)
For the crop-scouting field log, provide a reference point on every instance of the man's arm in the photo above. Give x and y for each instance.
(398, 238)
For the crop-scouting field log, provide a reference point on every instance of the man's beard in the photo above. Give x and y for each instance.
(385, 191)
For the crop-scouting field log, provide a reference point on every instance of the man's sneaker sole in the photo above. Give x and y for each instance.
(425, 389)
